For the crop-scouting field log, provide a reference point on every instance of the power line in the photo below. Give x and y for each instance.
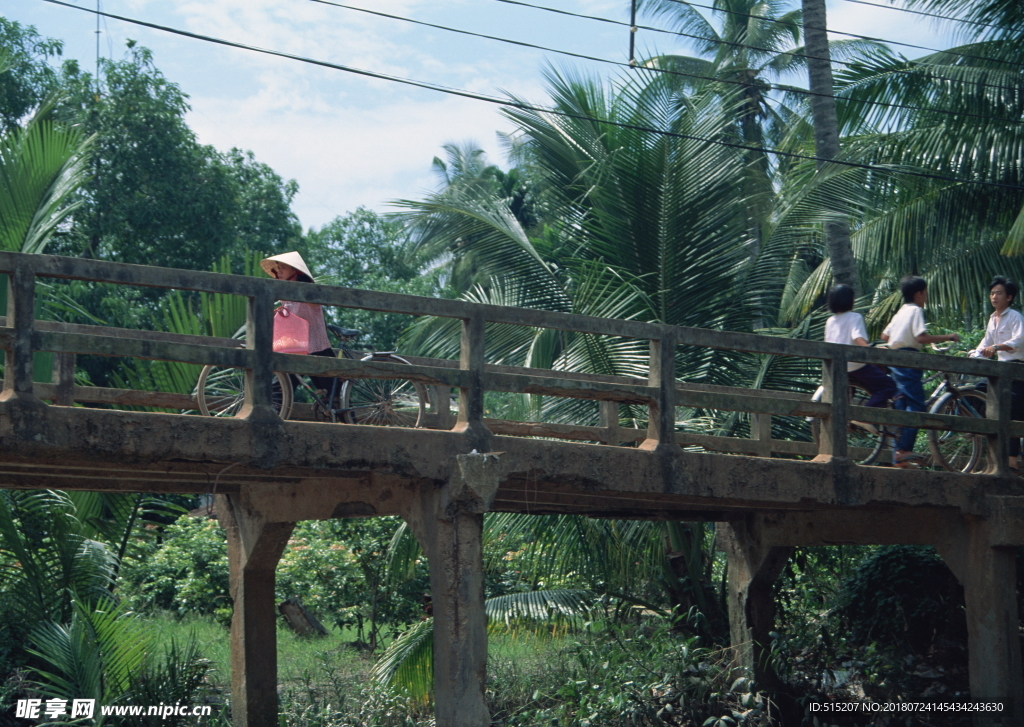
(806, 92)
(930, 15)
(512, 103)
(848, 64)
(849, 35)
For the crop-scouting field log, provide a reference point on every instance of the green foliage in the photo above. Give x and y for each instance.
(108, 654)
(203, 314)
(95, 656)
(30, 79)
(626, 676)
(47, 560)
(41, 166)
(902, 595)
(365, 250)
(156, 196)
(186, 573)
(337, 569)
(180, 674)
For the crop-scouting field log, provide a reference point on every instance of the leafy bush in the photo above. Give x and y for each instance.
(624, 676)
(186, 573)
(337, 568)
(340, 570)
(904, 596)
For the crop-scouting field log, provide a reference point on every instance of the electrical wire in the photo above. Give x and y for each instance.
(769, 50)
(849, 35)
(801, 91)
(930, 15)
(516, 104)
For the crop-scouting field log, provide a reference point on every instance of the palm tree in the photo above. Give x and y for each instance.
(826, 133)
(42, 165)
(744, 59)
(958, 123)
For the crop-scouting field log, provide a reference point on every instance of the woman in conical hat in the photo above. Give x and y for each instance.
(287, 266)
(291, 266)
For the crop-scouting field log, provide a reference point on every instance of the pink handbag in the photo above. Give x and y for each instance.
(291, 333)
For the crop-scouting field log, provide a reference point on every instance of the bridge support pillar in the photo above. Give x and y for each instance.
(448, 522)
(753, 568)
(254, 548)
(988, 575)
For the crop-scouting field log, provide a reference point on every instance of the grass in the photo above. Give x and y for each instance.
(601, 675)
(300, 660)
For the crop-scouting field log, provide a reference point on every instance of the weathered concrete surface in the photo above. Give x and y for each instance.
(973, 547)
(254, 547)
(61, 444)
(448, 522)
(988, 575)
(753, 567)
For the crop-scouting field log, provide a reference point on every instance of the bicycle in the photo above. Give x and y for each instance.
(953, 451)
(958, 451)
(864, 441)
(220, 391)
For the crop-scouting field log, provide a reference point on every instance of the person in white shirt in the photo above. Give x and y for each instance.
(848, 328)
(907, 332)
(1004, 339)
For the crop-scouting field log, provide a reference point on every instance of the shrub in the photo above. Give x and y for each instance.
(904, 596)
(338, 568)
(186, 573)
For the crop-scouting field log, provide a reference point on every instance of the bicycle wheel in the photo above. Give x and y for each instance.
(864, 441)
(384, 402)
(221, 392)
(959, 451)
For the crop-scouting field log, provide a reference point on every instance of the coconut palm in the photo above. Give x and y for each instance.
(748, 56)
(42, 164)
(960, 125)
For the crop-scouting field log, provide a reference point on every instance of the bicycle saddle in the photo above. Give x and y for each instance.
(343, 332)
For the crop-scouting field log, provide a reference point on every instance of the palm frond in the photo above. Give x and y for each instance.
(41, 166)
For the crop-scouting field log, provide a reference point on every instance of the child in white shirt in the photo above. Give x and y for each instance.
(848, 328)
(907, 332)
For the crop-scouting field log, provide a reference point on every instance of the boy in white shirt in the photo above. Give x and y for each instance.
(1004, 338)
(907, 332)
(848, 328)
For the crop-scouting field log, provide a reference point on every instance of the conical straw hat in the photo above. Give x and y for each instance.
(291, 259)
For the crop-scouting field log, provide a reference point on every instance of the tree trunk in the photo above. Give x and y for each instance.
(826, 132)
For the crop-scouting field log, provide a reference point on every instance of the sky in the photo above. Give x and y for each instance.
(352, 141)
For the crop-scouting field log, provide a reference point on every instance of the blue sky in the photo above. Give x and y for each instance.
(352, 141)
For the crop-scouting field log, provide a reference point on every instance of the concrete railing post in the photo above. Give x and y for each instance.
(610, 423)
(259, 337)
(988, 575)
(998, 407)
(832, 444)
(661, 419)
(254, 548)
(471, 396)
(440, 407)
(64, 379)
(761, 432)
(21, 302)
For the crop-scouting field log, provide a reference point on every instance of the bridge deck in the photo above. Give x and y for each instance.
(371, 467)
(269, 473)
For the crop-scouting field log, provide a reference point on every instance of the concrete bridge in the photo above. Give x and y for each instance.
(268, 473)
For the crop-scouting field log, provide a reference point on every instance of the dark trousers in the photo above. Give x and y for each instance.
(911, 398)
(877, 383)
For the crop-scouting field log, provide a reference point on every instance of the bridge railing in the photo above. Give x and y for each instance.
(21, 336)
